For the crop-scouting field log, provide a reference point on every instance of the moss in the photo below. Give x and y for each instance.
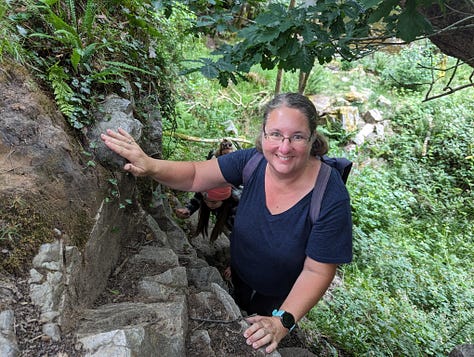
(23, 230)
(29, 222)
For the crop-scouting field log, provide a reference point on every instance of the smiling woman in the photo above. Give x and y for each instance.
(281, 262)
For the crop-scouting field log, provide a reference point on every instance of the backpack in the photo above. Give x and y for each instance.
(342, 165)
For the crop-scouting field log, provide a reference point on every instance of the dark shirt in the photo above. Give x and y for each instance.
(268, 251)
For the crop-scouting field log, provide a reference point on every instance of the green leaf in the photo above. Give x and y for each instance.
(351, 9)
(367, 4)
(75, 58)
(129, 68)
(49, 2)
(68, 38)
(383, 10)
(412, 24)
(267, 35)
(89, 51)
(209, 71)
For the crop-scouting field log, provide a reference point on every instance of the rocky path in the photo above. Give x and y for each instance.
(158, 301)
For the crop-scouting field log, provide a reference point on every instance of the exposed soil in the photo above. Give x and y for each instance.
(30, 338)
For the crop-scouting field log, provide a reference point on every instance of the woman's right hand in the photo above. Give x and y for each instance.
(182, 212)
(124, 145)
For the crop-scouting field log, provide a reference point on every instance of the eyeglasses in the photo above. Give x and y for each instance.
(226, 145)
(276, 137)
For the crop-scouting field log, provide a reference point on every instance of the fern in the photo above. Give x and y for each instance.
(63, 94)
(72, 12)
(58, 23)
(128, 68)
(89, 17)
(9, 42)
(68, 38)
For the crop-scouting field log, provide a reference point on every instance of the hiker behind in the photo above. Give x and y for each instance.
(282, 263)
(221, 202)
(218, 201)
(225, 147)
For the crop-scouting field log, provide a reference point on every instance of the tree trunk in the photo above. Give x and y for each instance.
(278, 81)
(303, 80)
(280, 71)
(456, 37)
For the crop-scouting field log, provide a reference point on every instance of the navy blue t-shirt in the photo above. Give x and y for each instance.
(268, 251)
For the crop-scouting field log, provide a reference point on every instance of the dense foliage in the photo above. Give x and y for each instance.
(84, 50)
(409, 291)
(292, 35)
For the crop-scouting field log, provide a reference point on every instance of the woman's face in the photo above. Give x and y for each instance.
(284, 156)
(226, 151)
(226, 147)
(213, 204)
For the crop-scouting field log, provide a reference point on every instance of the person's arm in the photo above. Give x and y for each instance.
(308, 289)
(184, 176)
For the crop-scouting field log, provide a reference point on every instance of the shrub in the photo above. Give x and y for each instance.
(410, 68)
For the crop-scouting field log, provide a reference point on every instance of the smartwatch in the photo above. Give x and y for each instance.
(287, 319)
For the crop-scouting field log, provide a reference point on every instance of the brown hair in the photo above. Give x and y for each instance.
(224, 145)
(222, 215)
(298, 101)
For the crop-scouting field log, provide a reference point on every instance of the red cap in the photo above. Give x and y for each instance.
(218, 193)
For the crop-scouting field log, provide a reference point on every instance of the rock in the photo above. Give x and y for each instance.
(164, 286)
(363, 134)
(115, 112)
(354, 96)
(384, 102)
(201, 342)
(373, 116)
(466, 350)
(322, 103)
(163, 258)
(8, 343)
(295, 352)
(349, 118)
(156, 329)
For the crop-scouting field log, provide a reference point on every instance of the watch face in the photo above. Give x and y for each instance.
(287, 320)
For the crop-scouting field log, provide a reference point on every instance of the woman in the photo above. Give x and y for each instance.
(220, 201)
(282, 264)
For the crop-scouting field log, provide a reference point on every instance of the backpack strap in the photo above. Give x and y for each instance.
(250, 166)
(318, 191)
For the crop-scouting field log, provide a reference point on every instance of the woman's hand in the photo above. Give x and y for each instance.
(179, 175)
(264, 330)
(182, 213)
(123, 144)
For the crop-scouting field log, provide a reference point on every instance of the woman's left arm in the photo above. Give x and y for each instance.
(308, 289)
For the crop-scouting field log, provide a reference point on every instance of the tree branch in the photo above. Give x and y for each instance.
(203, 140)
